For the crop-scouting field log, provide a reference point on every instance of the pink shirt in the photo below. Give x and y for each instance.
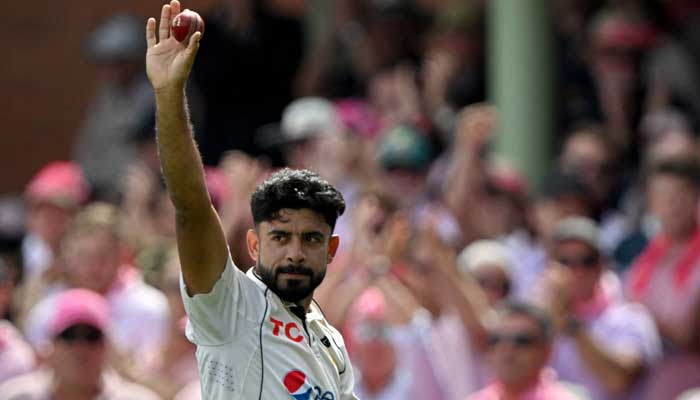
(16, 357)
(547, 388)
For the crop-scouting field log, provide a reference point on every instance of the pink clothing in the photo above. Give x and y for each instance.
(547, 388)
(38, 385)
(667, 281)
(16, 357)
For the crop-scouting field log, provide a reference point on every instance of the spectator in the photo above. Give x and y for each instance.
(54, 195)
(603, 343)
(245, 72)
(77, 360)
(118, 110)
(389, 358)
(666, 278)
(16, 357)
(489, 264)
(520, 347)
(92, 253)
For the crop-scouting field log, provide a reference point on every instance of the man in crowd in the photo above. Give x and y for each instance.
(76, 365)
(520, 347)
(603, 343)
(666, 278)
(257, 334)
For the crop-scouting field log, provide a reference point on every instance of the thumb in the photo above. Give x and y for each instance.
(192, 48)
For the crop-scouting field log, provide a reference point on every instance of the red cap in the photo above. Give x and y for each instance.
(79, 306)
(61, 183)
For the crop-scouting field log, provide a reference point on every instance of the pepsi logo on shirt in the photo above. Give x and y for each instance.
(296, 384)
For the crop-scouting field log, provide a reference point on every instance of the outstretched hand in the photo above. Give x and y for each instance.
(168, 62)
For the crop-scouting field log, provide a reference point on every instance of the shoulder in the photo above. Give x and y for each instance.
(487, 393)
(627, 315)
(120, 389)
(34, 385)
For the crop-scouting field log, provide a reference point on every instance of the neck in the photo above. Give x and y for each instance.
(517, 389)
(66, 391)
(682, 235)
(378, 382)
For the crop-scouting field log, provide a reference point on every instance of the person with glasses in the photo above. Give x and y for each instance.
(77, 358)
(602, 342)
(520, 344)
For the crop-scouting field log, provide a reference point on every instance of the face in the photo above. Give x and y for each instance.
(585, 264)
(518, 351)
(547, 213)
(673, 201)
(292, 251)
(375, 354)
(78, 356)
(50, 221)
(91, 259)
(493, 281)
(586, 155)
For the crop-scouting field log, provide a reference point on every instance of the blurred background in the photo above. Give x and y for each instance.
(521, 179)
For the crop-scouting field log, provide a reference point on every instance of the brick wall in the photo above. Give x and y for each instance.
(46, 83)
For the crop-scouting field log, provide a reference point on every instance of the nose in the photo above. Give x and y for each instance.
(296, 254)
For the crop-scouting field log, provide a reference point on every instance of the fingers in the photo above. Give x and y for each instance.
(194, 43)
(151, 32)
(164, 27)
(174, 7)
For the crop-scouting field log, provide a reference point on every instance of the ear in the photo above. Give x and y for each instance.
(333, 244)
(253, 244)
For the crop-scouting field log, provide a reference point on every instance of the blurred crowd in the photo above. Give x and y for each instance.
(457, 278)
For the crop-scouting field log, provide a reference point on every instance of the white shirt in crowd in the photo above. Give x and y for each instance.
(139, 314)
(251, 345)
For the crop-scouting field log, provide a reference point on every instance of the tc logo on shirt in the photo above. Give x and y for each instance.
(291, 330)
(299, 389)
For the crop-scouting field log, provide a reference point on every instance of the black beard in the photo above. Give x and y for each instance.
(295, 289)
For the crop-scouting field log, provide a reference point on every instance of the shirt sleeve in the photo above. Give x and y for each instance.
(347, 380)
(216, 317)
(632, 332)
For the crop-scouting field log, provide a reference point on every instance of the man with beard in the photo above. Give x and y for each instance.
(258, 335)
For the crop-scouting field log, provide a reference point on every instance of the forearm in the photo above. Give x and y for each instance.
(472, 305)
(180, 160)
(616, 372)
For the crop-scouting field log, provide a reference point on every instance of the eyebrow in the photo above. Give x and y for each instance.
(280, 232)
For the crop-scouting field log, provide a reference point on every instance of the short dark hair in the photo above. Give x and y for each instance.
(296, 189)
(685, 168)
(510, 308)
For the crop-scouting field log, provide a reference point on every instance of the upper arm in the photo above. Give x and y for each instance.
(202, 249)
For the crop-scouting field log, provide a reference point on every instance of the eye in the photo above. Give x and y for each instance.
(313, 239)
(277, 238)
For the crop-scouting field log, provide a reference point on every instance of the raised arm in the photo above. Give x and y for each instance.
(200, 238)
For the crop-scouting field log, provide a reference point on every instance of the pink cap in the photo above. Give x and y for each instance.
(79, 306)
(357, 116)
(370, 305)
(61, 183)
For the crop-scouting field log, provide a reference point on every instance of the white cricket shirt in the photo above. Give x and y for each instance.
(247, 339)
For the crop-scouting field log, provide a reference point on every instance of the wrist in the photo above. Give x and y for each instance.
(169, 90)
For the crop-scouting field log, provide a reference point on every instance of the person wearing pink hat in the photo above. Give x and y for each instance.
(54, 194)
(77, 359)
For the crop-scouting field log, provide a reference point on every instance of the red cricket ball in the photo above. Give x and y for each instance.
(185, 24)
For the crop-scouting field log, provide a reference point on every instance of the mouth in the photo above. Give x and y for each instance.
(293, 275)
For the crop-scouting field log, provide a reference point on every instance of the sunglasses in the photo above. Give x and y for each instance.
(493, 284)
(520, 340)
(589, 261)
(81, 333)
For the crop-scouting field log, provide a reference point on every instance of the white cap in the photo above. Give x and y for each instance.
(309, 116)
(484, 252)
